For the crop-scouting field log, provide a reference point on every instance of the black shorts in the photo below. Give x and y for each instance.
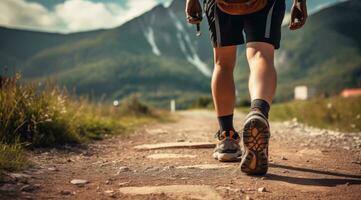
(261, 26)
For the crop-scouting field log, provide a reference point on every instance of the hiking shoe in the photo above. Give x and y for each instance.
(227, 149)
(255, 137)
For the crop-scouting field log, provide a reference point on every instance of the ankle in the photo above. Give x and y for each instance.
(260, 105)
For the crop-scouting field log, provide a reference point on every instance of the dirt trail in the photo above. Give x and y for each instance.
(305, 163)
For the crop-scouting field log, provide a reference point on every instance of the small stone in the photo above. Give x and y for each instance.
(79, 182)
(168, 168)
(346, 148)
(109, 191)
(285, 171)
(52, 169)
(123, 183)
(347, 183)
(261, 189)
(248, 198)
(19, 176)
(65, 192)
(29, 188)
(107, 182)
(151, 169)
(284, 158)
(357, 162)
(122, 169)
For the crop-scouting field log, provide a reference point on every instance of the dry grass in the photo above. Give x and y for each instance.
(47, 116)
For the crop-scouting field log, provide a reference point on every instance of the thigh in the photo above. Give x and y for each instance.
(225, 57)
(265, 25)
(225, 29)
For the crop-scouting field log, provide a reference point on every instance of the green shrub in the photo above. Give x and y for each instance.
(133, 106)
(332, 113)
(203, 102)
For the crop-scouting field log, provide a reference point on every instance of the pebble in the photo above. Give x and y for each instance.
(52, 169)
(19, 176)
(109, 192)
(284, 158)
(65, 192)
(123, 183)
(357, 162)
(248, 198)
(262, 189)
(152, 169)
(123, 169)
(79, 182)
(168, 168)
(29, 188)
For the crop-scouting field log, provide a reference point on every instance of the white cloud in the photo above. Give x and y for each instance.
(19, 13)
(70, 16)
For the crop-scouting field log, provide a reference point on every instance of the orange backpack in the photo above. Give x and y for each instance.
(241, 7)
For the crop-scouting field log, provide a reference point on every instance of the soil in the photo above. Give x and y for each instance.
(305, 163)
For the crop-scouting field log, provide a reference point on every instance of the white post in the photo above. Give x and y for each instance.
(172, 105)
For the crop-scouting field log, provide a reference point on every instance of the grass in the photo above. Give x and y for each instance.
(334, 113)
(45, 115)
(12, 157)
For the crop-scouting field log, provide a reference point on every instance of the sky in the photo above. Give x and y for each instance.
(68, 16)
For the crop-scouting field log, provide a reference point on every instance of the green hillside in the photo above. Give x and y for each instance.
(326, 53)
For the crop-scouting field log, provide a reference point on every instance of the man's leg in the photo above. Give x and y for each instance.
(263, 77)
(262, 86)
(223, 91)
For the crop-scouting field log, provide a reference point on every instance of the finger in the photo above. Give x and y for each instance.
(193, 20)
(296, 25)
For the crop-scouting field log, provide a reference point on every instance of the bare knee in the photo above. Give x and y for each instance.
(224, 66)
(260, 53)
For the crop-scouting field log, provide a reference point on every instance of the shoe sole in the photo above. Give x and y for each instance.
(255, 141)
(227, 157)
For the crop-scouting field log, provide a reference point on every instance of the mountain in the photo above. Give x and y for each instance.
(158, 56)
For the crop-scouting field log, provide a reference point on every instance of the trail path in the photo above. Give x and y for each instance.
(305, 163)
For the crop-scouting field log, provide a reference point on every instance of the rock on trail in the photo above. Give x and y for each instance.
(201, 192)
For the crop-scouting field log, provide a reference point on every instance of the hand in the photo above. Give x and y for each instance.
(193, 11)
(298, 14)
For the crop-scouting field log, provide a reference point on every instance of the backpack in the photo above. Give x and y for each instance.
(240, 7)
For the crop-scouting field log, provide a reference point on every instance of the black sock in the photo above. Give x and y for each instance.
(262, 105)
(226, 123)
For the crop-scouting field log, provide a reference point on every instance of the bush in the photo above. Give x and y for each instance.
(45, 115)
(31, 115)
(133, 106)
(331, 113)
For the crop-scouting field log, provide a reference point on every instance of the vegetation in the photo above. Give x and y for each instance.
(337, 113)
(47, 116)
